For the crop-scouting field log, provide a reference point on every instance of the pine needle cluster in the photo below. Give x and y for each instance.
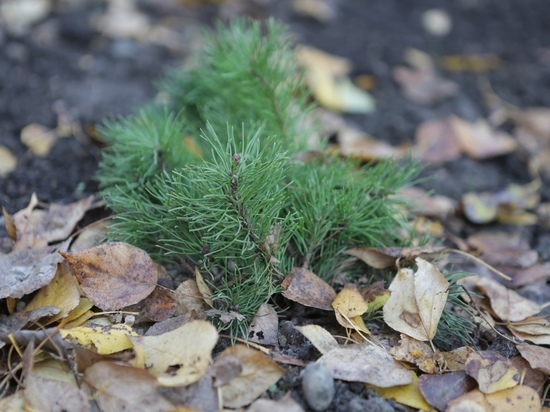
(218, 178)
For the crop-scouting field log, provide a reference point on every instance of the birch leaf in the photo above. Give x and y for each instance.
(416, 301)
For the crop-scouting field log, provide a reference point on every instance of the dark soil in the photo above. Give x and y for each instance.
(64, 65)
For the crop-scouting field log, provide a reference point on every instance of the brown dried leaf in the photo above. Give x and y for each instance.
(479, 141)
(117, 388)
(158, 306)
(416, 352)
(504, 249)
(113, 275)
(492, 371)
(258, 373)
(308, 289)
(506, 303)
(11, 230)
(365, 363)
(537, 356)
(203, 288)
(381, 258)
(356, 144)
(417, 301)
(189, 298)
(436, 142)
(423, 204)
(534, 378)
(264, 328)
(439, 390)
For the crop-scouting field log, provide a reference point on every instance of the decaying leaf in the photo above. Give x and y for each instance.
(181, 356)
(158, 306)
(375, 296)
(105, 339)
(113, 275)
(439, 390)
(492, 371)
(117, 388)
(417, 353)
(258, 373)
(365, 363)
(436, 142)
(409, 395)
(264, 328)
(308, 289)
(319, 337)
(534, 378)
(417, 301)
(506, 303)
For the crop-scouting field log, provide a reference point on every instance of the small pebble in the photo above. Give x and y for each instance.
(318, 386)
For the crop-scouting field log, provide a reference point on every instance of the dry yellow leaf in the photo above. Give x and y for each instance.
(409, 395)
(417, 301)
(8, 161)
(38, 138)
(105, 339)
(349, 302)
(319, 337)
(61, 292)
(203, 288)
(179, 357)
(492, 371)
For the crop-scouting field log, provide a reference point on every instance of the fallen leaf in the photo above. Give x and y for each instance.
(356, 144)
(203, 288)
(51, 386)
(179, 357)
(158, 306)
(417, 353)
(421, 83)
(327, 79)
(105, 339)
(38, 138)
(455, 360)
(409, 395)
(500, 248)
(113, 275)
(478, 63)
(319, 337)
(91, 236)
(308, 289)
(27, 270)
(424, 204)
(8, 161)
(348, 306)
(200, 396)
(381, 258)
(507, 304)
(258, 373)
(61, 292)
(285, 404)
(117, 388)
(519, 398)
(479, 141)
(264, 328)
(365, 363)
(439, 390)
(189, 298)
(436, 142)
(320, 10)
(537, 356)
(534, 378)
(375, 296)
(492, 371)
(416, 301)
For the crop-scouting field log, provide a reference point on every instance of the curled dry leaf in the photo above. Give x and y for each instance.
(365, 363)
(507, 304)
(181, 356)
(113, 275)
(308, 289)
(534, 329)
(119, 388)
(417, 301)
(258, 373)
(492, 371)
